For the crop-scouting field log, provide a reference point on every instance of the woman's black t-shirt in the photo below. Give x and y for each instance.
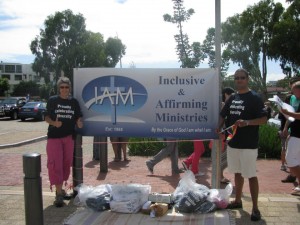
(65, 110)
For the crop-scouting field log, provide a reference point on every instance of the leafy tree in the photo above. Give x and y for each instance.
(190, 56)
(114, 50)
(285, 42)
(94, 53)
(26, 87)
(59, 46)
(208, 48)
(45, 91)
(65, 44)
(247, 37)
(4, 85)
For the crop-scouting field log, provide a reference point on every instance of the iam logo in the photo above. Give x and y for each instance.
(114, 95)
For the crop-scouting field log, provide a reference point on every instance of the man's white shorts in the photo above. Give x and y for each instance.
(242, 161)
(293, 152)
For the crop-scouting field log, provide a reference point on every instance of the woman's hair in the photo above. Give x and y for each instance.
(227, 90)
(63, 80)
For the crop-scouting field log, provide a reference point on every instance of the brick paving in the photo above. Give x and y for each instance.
(276, 203)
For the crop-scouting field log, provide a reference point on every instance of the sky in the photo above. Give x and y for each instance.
(139, 24)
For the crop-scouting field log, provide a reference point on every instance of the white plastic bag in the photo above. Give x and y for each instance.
(87, 192)
(129, 198)
(220, 196)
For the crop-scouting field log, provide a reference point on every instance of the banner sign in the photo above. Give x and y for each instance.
(162, 103)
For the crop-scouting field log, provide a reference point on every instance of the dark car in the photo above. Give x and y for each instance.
(33, 110)
(9, 107)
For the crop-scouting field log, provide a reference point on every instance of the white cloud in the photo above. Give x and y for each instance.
(138, 23)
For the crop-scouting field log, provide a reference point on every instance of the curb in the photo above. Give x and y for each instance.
(24, 142)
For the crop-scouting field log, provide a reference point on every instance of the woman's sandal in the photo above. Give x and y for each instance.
(126, 159)
(117, 160)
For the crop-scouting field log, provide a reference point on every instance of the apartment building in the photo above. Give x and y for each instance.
(16, 72)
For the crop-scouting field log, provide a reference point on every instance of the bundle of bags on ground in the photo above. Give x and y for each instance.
(190, 197)
(119, 198)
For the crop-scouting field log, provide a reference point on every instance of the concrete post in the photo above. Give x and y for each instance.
(33, 189)
(77, 163)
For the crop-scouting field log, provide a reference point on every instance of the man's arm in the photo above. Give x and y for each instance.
(254, 122)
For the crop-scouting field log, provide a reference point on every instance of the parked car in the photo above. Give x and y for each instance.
(9, 107)
(33, 110)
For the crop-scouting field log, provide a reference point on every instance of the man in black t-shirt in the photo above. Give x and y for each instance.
(244, 111)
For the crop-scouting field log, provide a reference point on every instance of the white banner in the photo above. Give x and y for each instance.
(168, 103)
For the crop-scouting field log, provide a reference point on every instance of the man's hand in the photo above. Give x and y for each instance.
(242, 123)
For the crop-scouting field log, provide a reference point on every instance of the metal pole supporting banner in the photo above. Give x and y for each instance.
(33, 189)
(77, 163)
(216, 150)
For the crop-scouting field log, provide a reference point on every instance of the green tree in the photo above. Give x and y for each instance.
(247, 37)
(45, 91)
(285, 42)
(208, 48)
(65, 44)
(26, 87)
(94, 54)
(190, 56)
(4, 86)
(114, 50)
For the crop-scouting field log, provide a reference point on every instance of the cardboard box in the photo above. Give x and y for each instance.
(160, 198)
(159, 209)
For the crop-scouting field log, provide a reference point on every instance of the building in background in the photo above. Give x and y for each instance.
(16, 72)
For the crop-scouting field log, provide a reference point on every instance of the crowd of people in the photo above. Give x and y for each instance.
(242, 110)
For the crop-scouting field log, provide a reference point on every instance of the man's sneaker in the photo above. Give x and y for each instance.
(149, 166)
(59, 200)
(181, 170)
(185, 166)
(289, 179)
(255, 215)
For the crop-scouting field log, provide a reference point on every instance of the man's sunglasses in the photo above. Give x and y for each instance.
(239, 78)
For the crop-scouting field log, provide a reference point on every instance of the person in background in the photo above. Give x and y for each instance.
(283, 137)
(268, 109)
(115, 141)
(192, 162)
(245, 111)
(226, 93)
(63, 114)
(293, 150)
(170, 150)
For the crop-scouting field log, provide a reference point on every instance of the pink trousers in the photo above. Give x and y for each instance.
(194, 158)
(60, 159)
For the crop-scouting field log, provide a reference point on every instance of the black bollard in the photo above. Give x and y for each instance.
(77, 163)
(96, 148)
(103, 154)
(33, 189)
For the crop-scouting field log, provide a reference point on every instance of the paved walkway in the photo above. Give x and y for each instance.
(276, 203)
